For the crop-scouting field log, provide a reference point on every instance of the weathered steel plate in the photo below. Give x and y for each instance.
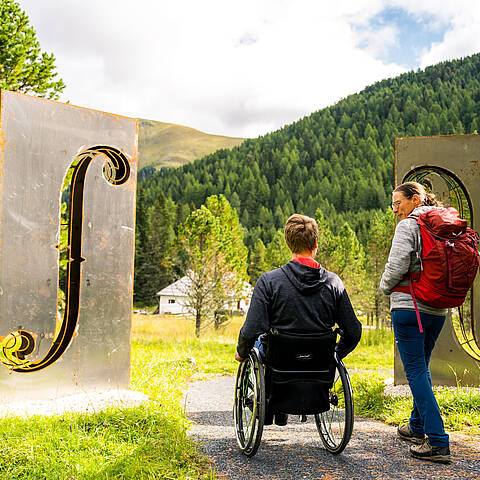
(76, 333)
(450, 164)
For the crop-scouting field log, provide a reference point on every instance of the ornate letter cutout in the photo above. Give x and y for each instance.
(17, 345)
(456, 196)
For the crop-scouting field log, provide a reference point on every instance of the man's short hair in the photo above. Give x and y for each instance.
(301, 233)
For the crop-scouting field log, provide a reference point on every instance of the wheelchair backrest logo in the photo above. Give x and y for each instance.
(304, 356)
(19, 344)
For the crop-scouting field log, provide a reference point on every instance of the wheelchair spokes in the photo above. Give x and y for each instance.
(249, 403)
(335, 426)
(249, 406)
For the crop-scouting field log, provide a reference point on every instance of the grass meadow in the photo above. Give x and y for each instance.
(151, 442)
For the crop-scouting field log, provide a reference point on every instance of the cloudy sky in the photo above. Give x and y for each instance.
(245, 67)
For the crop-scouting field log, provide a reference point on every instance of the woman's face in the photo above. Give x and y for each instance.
(402, 206)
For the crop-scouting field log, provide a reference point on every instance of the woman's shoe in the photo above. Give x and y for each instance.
(425, 451)
(406, 433)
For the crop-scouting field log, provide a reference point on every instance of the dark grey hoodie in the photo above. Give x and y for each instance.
(300, 298)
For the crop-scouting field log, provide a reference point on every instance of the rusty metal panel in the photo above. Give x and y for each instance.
(67, 194)
(449, 166)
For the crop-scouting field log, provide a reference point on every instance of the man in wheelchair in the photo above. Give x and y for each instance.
(295, 303)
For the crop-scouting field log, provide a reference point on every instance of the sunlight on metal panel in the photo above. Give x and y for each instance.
(67, 195)
(449, 166)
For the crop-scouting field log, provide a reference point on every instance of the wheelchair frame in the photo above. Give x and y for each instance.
(334, 426)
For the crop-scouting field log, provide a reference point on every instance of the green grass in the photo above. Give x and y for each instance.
(118, 443)
(371, 365)
(182, 358)
(146, 442)
(151, 442)
(374, 352)
(460, 407)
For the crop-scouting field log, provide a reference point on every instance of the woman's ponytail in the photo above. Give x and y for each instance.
(431, 200)
(409, 189)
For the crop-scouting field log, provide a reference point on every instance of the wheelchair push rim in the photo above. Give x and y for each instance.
(335, 426)
(249, 404)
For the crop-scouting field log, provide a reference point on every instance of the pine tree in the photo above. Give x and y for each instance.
(339, 160)
(162, 240)
(258, 264)
(327, 242)
(230, 273)
(380, 238)
(23, 67)
(217, 267)
(142, 278)
(349, 264)
(277, 253)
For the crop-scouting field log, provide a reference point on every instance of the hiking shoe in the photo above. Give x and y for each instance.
(406, 433)
(281, 419)
(425, 451)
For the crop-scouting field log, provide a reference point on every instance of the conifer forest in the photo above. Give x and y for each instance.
(336, 165)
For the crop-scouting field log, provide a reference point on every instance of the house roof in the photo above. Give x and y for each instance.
(181, 287)
(177, 289)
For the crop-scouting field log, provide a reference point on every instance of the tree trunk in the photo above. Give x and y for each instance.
(377, 309)
(220, 317)
(198, 324)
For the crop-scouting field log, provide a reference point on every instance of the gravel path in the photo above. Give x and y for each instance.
(296, 452)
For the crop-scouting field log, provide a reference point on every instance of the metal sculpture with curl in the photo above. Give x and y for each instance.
(16, 346)
(463, 320)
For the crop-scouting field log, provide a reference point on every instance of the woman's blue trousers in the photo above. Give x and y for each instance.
(415, 350)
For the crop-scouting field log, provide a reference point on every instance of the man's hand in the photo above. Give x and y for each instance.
(238, 358)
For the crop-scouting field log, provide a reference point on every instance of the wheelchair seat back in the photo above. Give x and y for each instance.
(300, 369)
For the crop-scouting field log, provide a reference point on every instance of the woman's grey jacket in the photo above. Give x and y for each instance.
(404, 257)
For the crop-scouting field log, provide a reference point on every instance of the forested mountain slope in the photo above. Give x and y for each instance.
(339, 159)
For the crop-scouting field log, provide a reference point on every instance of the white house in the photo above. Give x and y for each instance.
(173, 299)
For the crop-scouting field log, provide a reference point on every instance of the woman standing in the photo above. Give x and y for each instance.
(425, 428)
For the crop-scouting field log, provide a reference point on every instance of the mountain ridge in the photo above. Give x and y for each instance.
(338, 159)
(163, 144)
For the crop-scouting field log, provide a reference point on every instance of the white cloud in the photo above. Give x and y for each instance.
(233, 68)
(378, 42)
(461, 40)
(462, 17)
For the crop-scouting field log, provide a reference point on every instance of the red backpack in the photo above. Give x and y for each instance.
(449, 260)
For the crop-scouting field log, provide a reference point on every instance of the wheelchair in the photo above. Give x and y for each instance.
(301, 375)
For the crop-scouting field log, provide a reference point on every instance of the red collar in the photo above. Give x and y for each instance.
(308, 261)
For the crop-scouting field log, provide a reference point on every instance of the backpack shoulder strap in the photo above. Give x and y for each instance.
(418, 239)
(412, 275)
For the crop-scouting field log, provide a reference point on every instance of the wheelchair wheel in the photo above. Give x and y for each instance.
(335, 426)
(249, 406)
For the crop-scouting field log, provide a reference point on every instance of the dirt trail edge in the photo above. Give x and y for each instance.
(296, 452)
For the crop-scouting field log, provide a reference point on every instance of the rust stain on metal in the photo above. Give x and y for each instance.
(450, 164)
(30, 190)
